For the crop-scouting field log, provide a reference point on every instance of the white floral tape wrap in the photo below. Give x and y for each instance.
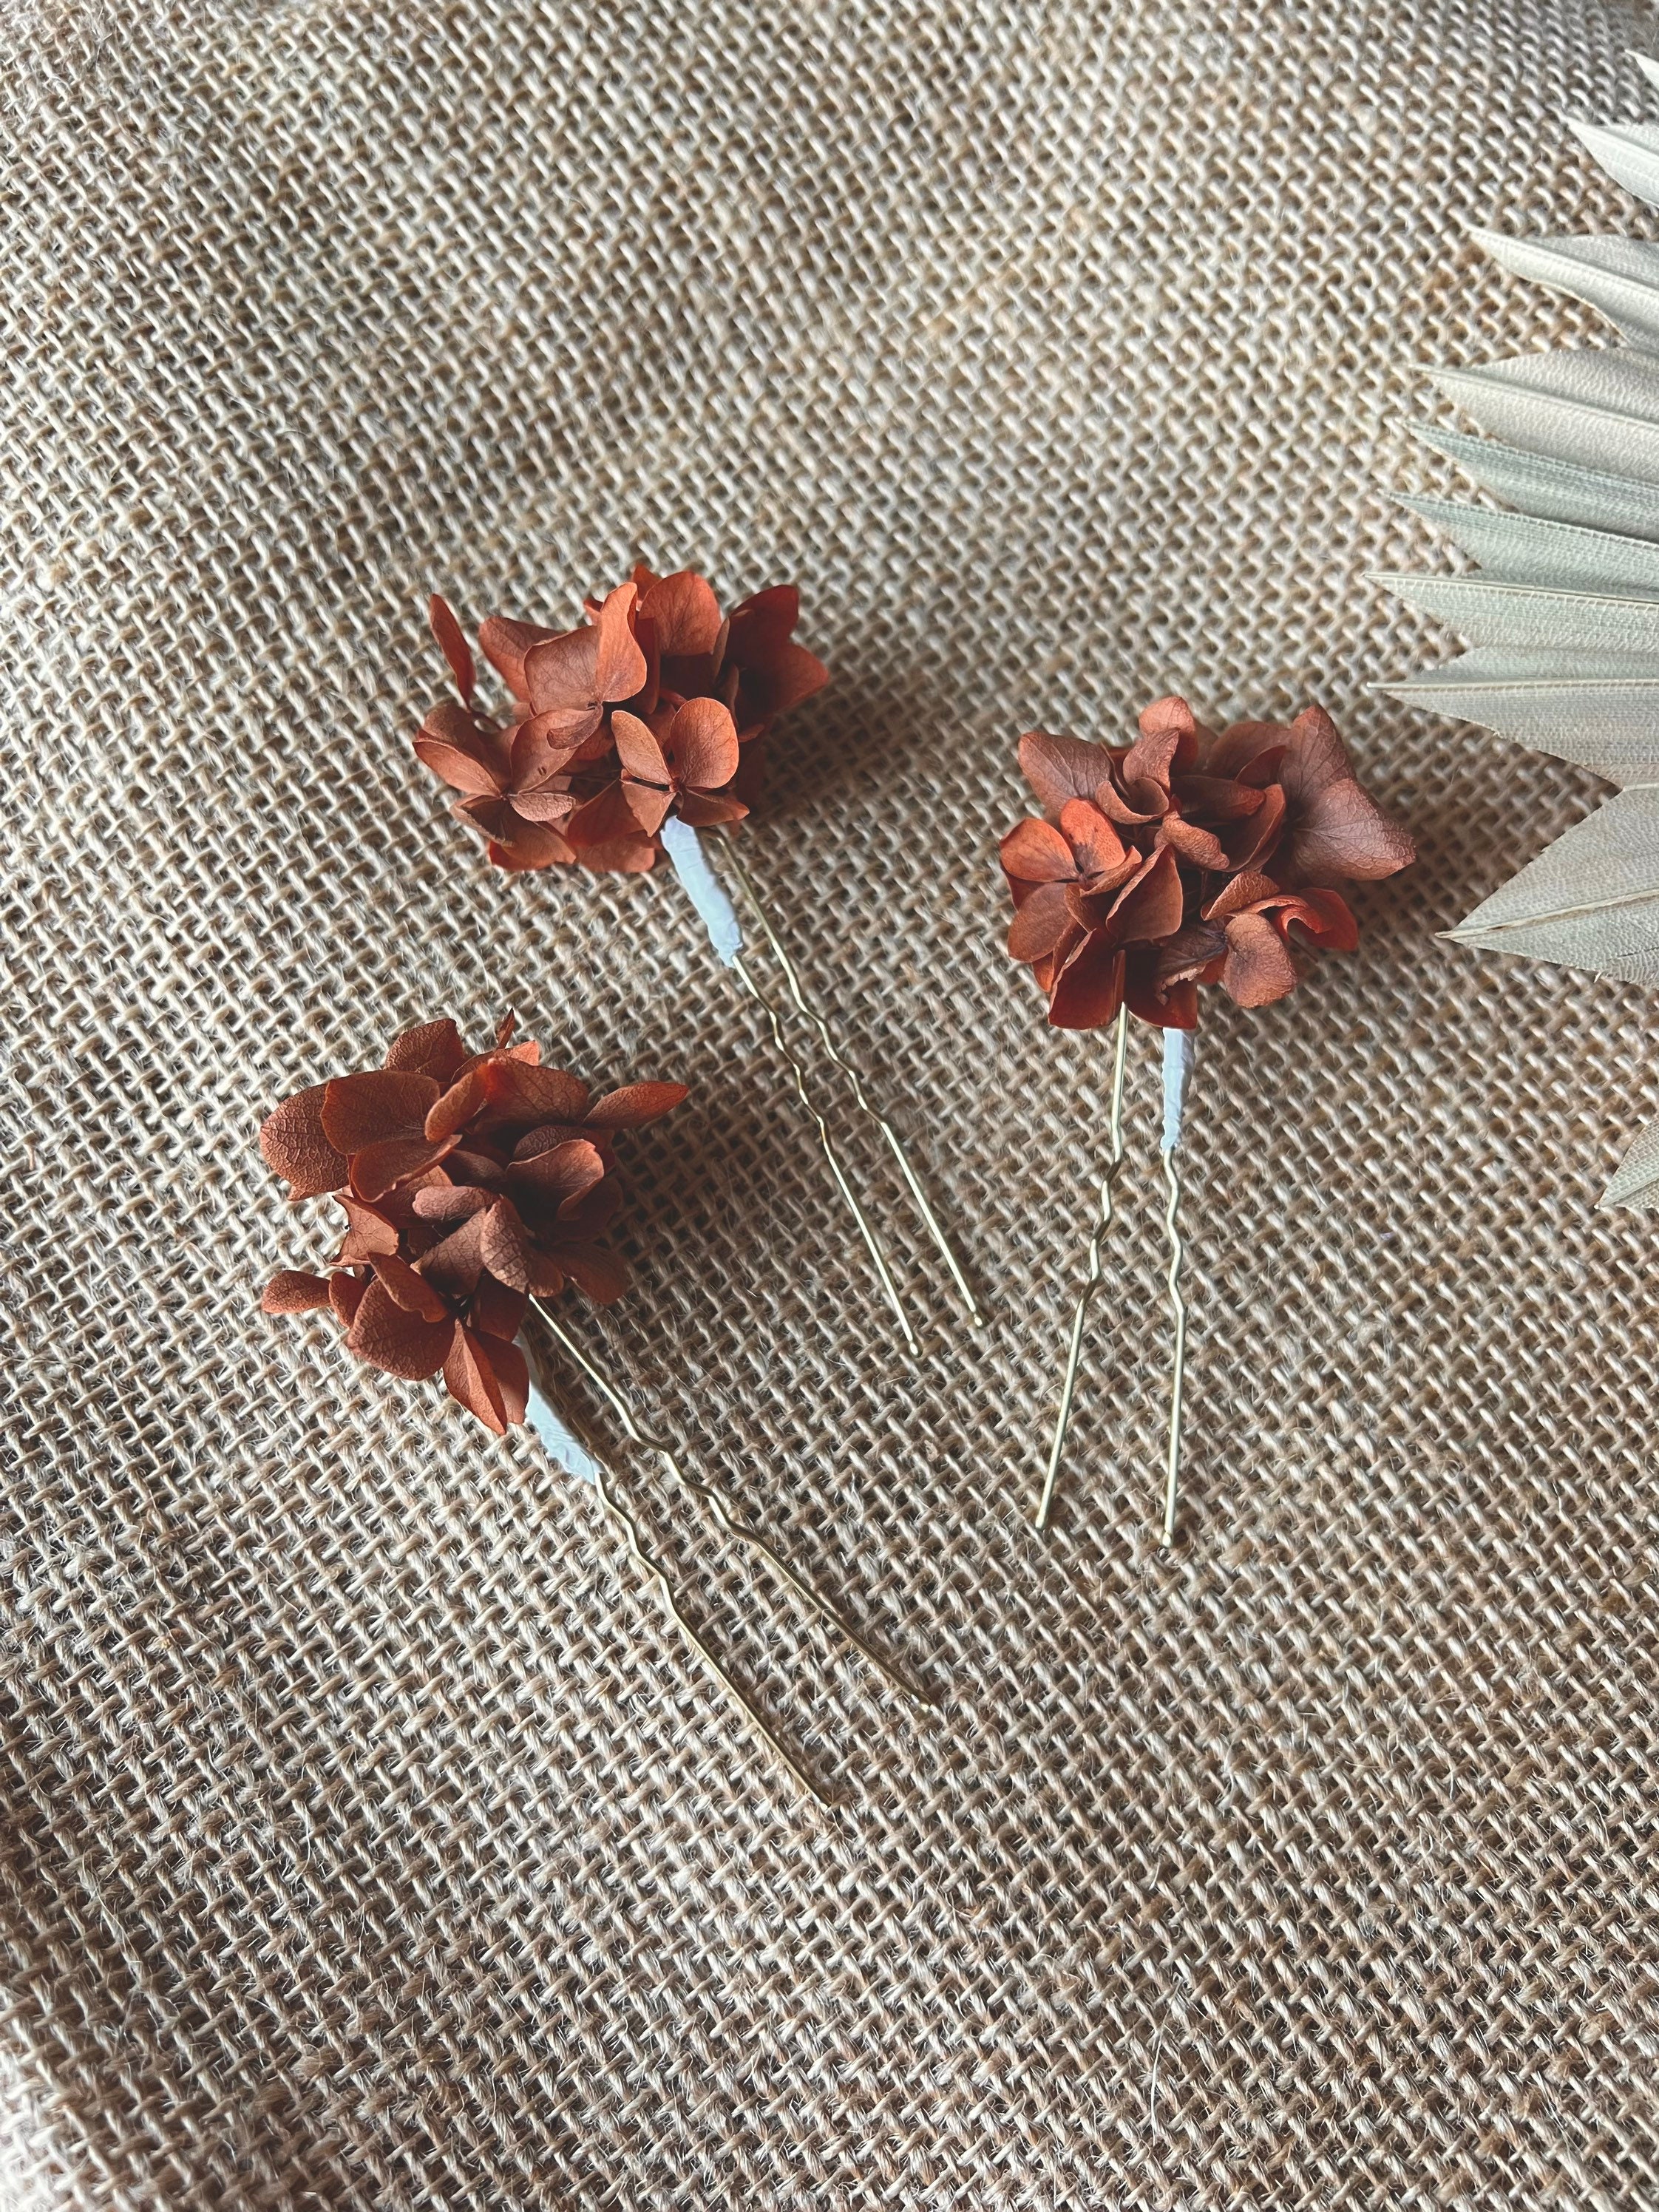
(704, 889)
(573, 1457)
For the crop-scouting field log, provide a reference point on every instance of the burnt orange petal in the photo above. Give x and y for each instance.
(647, 805)
(454, 746)
(684, 611)
(507, 645)
(291, 1290)
(525, 1092)
(294, 1143)
(1038, 926)
(432, 1048)
(701, 745)
(562, 1175)
(635, 1104)
(453, 647)
(637, 749)
(379, 1168)
(1258, 970)
(411, 1290)
(388, 1336)
(1151, 907)
(619, 666)
(364, 1110)
(345, 1295)
(1096, 845)
(369, 1232)
(1059, 768)
(1036, 853)
(627, 856)
(1088, 990)
(1343, 832)
(496, 1310)
(488, 1377)
(604, 818)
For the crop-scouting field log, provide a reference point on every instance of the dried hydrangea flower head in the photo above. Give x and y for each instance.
(655, 708)
(475, 1186)
(1186, 858)
(471, 1182)
(620, 742)
(1189, 857)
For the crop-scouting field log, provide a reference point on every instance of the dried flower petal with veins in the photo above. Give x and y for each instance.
(1186, 858)
(470, 1181)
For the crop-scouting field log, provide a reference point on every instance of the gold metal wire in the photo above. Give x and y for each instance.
(912, 1182)
(616, 1511)
(727, 1512)
(1178, 1365)
(872, 1243)
(1091, 1281)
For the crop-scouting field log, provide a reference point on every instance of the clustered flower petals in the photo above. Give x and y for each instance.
(1188, 858)
(469, 1182)
(656, 705)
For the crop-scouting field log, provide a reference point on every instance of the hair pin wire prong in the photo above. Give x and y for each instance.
(728, 1514)
(873, 1244)
(617, 1512)
(813, 1014)
(1091, 1280)
(1177, 1074)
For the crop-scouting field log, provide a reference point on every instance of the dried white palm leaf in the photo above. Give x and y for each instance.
(1562, 615)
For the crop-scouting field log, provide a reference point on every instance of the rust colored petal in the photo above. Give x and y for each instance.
(1036, 853)
(637, 749)
(1343, 832)
(1184, 957)
(625, 856)
(635, 1104)
(1153, 905)
(549, 803)
(1215, 799)
(1167, 717)
(515, 841)
(381, 1167)
(561, 1176)
(345, 1295)
(454, 645)
(601, 821)
(524, 1092)
(507, 645)
(647, 805)
(291, 1290)
(387, 1335)
(1096, 845)
(1314, 756)
(1175, 1007)
(1246, 748)
(369, 1233)
(544, 747)
(702, 745)
(1192, 842)
(1088, 990)
(599, 1273)
(487, 1377)
(684, 611)
(1041, 920)
(1258, 970)
(496, 1310)
(703, 809)
(442, 1202)
(1326, 916)
(411, 1290)
(296, 1145)
(364, 1110)
(504, 1245)
(468, 756)
(1156, 757)
(432, 1048)
(1059, 768)
(454, 1107)
(1253, 842)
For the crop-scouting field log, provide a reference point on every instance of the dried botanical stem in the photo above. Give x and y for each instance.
(616, 1511)
(912, 1181)
(727, 1512)
(1178, 1366)
(872, 1242)
(1091, 1281)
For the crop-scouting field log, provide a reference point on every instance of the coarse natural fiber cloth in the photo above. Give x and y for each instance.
(368, 1838)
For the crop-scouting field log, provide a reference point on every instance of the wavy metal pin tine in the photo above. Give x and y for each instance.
(729, 1514)
(896, 1143)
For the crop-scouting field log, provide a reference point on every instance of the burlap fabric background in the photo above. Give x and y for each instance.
(367, 1838)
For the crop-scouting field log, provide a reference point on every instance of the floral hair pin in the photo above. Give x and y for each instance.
(620, 744)
(475, 1186)
(1186, 859)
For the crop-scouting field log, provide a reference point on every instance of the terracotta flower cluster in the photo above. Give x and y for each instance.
(656, 705)
(470, 1181)
(1188, 858)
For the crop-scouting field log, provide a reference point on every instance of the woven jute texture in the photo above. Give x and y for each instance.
(368, 1838)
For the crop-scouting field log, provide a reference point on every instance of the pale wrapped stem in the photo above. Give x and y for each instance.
(727, 1512)
(912, 1182)
(1091, 1281)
